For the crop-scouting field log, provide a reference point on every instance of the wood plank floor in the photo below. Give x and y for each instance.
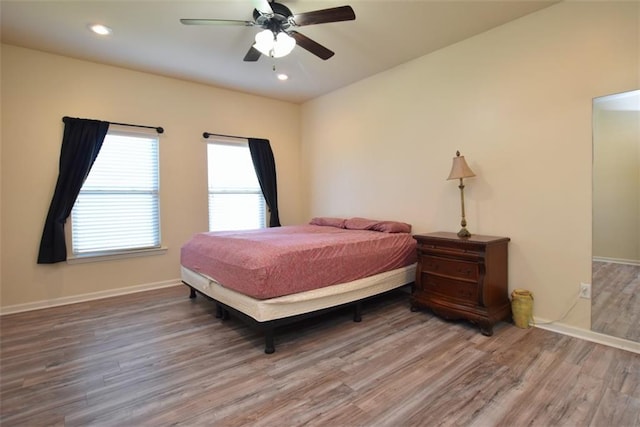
(615, 308)
(157, 358)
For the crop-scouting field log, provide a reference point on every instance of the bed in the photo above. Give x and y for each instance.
(275, 276)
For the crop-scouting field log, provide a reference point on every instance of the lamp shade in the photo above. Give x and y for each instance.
(460, 169)
(274, 45)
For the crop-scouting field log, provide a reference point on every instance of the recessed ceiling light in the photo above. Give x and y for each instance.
(100, 29)
(282, 76)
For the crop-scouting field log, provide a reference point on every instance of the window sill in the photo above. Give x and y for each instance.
(96, 257)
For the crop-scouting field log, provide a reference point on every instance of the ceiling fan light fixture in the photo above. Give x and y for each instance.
(274, 45)
(284, 45)
(264, 41)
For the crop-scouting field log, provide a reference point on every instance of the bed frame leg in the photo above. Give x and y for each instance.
(357, 312)
(269, 347)
(221, 312)
(192, 293)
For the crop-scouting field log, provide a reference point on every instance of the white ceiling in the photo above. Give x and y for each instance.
(148, 36)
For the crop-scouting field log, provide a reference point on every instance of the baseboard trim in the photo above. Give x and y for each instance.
(587, 335)
(617, 260)
(55, 302)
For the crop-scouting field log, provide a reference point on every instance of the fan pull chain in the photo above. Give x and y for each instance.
(280, 76)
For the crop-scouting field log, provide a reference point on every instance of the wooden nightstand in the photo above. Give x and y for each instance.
(463, 278)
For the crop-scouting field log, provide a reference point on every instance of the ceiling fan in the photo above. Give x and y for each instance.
(278, 36)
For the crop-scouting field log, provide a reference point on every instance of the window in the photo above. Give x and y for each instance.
(117, 209)
(235, 198)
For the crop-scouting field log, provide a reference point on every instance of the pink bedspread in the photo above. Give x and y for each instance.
(285, 260)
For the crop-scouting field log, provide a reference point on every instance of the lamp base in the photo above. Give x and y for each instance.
(464, 232)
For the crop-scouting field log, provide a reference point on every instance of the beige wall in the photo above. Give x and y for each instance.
(38, 89)
(616, 185)
(516, 101)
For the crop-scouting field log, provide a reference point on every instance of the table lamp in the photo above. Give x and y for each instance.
(460, 170)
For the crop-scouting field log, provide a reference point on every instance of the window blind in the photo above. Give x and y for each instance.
(235, 198)
(118, 206)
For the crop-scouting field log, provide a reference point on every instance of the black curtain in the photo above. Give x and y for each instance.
(81, 143)
(265, 167)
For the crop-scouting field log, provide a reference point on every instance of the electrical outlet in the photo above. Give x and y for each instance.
(585, 290)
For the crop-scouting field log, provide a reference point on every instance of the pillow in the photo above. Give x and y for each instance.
(359, 223)
(328, 221)
(375, 225)
(392, 227)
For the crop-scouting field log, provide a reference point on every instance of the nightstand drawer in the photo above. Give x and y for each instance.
(441, 247)
(466, 292)
(451, 268)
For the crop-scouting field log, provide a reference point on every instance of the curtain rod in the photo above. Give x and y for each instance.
(206, 135)
(157, 128)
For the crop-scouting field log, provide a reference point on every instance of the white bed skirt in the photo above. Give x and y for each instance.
(304, 302)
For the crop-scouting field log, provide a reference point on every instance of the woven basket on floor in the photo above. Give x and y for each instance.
(522, 307)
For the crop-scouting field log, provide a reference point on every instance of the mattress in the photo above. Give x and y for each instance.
(274, 262)
(263, 310)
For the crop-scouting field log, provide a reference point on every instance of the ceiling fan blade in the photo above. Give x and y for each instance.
(334, 14)
(217, 22)
(252, 55)
(312, 46)
(263, 7)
